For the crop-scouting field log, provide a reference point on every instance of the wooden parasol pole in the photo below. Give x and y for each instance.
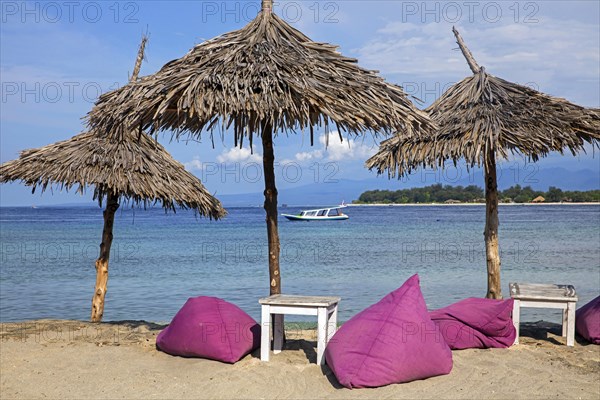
(271, 208)
(112, 205)
(492, 252)
(267, 6)
(466, 52)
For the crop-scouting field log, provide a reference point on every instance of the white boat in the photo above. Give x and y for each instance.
(320, 214)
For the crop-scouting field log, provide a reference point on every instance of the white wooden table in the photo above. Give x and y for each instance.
(546, 296)
(274, 308)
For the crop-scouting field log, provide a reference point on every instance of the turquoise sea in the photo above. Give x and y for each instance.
(159, 260)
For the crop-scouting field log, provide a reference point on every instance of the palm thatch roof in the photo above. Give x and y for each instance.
(266, 72)
(482, 112)
(131, 166)
(485, 113)
(137, 168)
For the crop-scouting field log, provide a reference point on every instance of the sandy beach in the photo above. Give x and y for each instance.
(73, 359)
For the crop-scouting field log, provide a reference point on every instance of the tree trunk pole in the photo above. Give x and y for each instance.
(492, 252)
(112, 204)
(271, 208)
(491, 227)
(139, 59)
(267, 6)
(466, 52)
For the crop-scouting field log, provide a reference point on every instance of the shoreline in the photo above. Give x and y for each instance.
(95, 206)
(468, 204)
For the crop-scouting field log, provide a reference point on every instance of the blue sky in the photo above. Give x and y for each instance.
(57, 57)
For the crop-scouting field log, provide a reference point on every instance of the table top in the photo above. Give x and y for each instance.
(533, 291)
(302, 301)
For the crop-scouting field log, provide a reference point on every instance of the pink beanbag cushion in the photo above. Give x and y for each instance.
(587, 321)
(209, 327)
(392, 341)
(476, 323)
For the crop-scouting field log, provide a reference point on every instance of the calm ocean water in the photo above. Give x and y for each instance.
(159, 260)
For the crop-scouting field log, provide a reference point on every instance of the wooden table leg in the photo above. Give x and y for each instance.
(516, 315)
(265, 335)
(565, 321)
(321, 333)
(571, 323)
(332, 323)
(277, 333)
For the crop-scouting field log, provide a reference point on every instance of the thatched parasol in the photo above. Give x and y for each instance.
(130, 168)
(484, 117)
(264, 78)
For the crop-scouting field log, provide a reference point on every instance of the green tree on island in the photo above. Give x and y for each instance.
(472, 194)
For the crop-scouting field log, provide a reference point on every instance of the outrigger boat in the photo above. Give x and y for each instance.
(320, 214)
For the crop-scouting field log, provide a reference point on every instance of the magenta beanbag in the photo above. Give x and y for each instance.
(587, 321)
(392, 341)
(209, 327)
(476, 323)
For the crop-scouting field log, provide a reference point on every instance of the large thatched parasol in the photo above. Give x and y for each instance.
(264, 78)
(129, 168)
(484, 117)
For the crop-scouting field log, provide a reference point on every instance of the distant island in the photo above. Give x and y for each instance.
(473, 194)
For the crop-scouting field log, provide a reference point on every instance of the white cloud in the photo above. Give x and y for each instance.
(348, 150)
(194, 165)
(430, 48)
(309, 155)
(232, 155)
(237, 155)
(559, 56)
(335, 150)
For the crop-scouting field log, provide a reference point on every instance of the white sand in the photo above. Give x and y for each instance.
(74, 360)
